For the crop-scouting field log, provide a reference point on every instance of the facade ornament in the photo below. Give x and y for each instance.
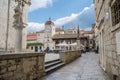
(18, 20)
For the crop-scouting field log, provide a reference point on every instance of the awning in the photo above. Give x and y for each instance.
(73, 44)
(62, 44)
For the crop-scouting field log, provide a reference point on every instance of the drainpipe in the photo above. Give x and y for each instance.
(7, 31)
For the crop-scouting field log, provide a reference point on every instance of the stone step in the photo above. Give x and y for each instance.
(52, 64)
(52, 61)
(54, 67)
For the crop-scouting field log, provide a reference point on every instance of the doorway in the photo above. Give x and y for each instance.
(36, 49)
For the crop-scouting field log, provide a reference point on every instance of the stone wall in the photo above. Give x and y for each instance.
(108, 39)
(28, 66)
(69, 56)
(112, 56)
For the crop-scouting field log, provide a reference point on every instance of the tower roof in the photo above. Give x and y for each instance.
(49, 22)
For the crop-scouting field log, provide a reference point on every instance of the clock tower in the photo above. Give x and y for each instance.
(49, 32)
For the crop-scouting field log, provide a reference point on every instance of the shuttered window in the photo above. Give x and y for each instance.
(115, 13)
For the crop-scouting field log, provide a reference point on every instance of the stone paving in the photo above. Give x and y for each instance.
(84, 68)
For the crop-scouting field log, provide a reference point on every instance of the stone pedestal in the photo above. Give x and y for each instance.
(18, 40)
(78, 44)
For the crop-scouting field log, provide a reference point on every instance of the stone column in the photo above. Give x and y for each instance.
(18, 25)
(18, 40)
(78, 39)
(78, 44)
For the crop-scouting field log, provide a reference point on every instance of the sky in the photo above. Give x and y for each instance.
(67, 13)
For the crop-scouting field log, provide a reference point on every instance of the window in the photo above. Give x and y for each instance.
(115, 11)
(70, 48)
(56, 42)
(40, 47)
(38, 34)
(31, 47)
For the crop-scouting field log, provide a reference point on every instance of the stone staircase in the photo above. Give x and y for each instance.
(53, 65)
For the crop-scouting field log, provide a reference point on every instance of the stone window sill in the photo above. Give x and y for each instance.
(114, 28)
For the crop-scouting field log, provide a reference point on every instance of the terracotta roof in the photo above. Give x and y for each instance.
(65, 36)
(82, 30)
(58, 29)
(87, 32)
(49, 23)
(31, 37)
(42, 31)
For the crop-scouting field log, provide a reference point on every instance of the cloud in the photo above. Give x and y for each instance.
(65, 20)
(84, 19)
(32, 27)
(37, 4)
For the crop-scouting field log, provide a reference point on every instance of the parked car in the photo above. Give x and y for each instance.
(48, 51)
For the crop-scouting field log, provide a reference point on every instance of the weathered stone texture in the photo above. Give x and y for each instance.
(4, 21)
(69, 56)
(22, 66)
(109, 50)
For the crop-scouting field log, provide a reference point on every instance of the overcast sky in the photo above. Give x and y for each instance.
(69, 13)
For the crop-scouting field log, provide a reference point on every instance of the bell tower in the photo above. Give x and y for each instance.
(49, 32)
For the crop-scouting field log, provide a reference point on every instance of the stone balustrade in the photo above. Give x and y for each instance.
(69, 56)
(28, 66)
(22, 66)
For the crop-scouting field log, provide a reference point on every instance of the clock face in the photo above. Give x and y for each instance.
(48, 29)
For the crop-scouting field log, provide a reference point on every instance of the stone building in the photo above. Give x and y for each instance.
(32, 38)
(32, 44)
(7, 31)
(54, 38)
(49, 32)
(68, 40)
(107, 33)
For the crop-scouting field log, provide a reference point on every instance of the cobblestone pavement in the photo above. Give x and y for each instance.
(84, 68)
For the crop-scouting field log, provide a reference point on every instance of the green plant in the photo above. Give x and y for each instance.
(34, 44)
